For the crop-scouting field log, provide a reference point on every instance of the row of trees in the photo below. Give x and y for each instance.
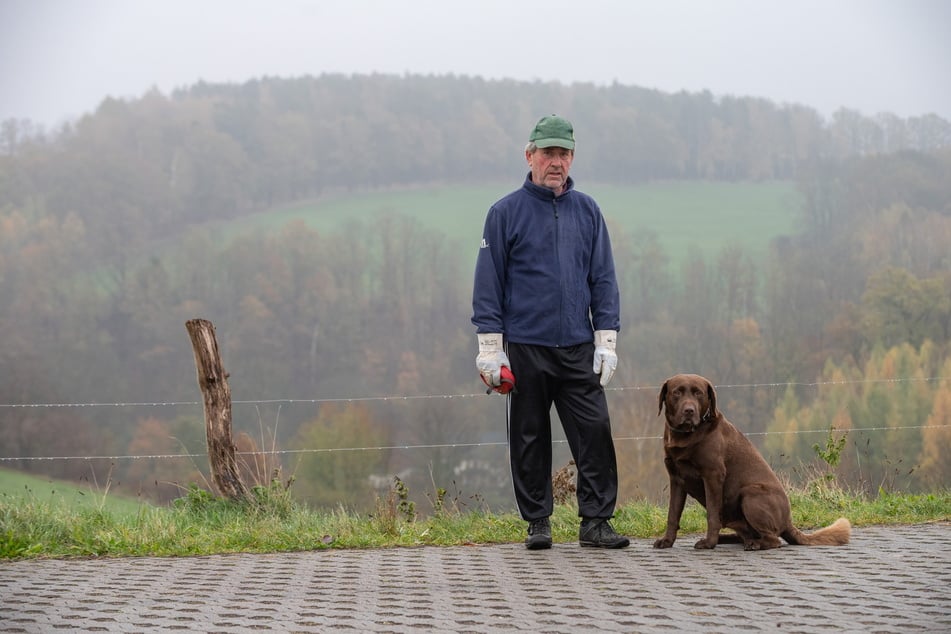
(143, 168)
(370, 325)
(899, 423)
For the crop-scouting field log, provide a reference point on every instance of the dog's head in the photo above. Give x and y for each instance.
(690, 401)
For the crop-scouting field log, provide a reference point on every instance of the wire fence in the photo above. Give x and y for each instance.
(452, 445)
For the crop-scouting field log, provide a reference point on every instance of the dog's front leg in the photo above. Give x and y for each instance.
(675, 508)
(713, 491)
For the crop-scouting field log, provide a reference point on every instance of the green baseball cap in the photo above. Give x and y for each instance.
(553, 131)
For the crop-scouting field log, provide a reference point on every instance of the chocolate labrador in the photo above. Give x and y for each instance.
(710, 460)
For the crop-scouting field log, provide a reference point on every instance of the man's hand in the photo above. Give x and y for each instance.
(605, 357)
(491, 359)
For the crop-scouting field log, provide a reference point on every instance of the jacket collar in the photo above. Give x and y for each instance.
(543, 192)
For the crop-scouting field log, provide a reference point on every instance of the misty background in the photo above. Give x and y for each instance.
(312, 190)
(60, 58)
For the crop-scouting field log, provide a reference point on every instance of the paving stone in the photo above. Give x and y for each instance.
(888, 579)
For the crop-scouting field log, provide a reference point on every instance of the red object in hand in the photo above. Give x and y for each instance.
(507, 385)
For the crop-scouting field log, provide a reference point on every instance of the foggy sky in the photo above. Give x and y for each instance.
(60, 58)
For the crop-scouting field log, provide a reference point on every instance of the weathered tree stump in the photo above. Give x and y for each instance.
(213, 381)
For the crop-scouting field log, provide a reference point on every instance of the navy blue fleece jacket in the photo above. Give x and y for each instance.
(545, 271)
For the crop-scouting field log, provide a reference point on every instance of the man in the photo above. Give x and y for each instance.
(546, 310)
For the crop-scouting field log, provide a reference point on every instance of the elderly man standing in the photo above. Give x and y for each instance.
(547, 312)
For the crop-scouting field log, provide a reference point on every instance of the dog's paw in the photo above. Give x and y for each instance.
(663, 542)
(705, 544)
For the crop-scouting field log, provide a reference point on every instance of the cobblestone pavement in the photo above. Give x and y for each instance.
(889, 579)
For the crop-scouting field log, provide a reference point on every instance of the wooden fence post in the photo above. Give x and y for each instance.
(213, 381)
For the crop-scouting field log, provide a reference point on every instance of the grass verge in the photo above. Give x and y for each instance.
(200, 524)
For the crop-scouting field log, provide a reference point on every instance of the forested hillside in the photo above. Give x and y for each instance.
(117, 228)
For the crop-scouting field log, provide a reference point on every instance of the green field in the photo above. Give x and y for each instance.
(685, 216)
(22, 488)
(705, 216)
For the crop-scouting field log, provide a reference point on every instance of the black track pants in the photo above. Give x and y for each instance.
(563, 377)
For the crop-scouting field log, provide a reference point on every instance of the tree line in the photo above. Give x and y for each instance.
(219, 150)
(382, 308)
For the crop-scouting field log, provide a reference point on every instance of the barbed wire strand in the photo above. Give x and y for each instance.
(409, 397)
(433, 396)
(435, 446)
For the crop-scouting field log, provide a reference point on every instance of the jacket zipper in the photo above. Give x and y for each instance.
(561, 281)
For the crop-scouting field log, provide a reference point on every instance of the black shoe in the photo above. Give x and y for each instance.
(600, 534)
(539, 534)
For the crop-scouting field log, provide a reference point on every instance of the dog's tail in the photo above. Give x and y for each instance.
(835, 534)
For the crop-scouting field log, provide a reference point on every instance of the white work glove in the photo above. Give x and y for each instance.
(605, 357)
(491, 359)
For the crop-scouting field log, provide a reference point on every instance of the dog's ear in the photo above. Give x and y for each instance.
(712, 397)
(662, 398)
